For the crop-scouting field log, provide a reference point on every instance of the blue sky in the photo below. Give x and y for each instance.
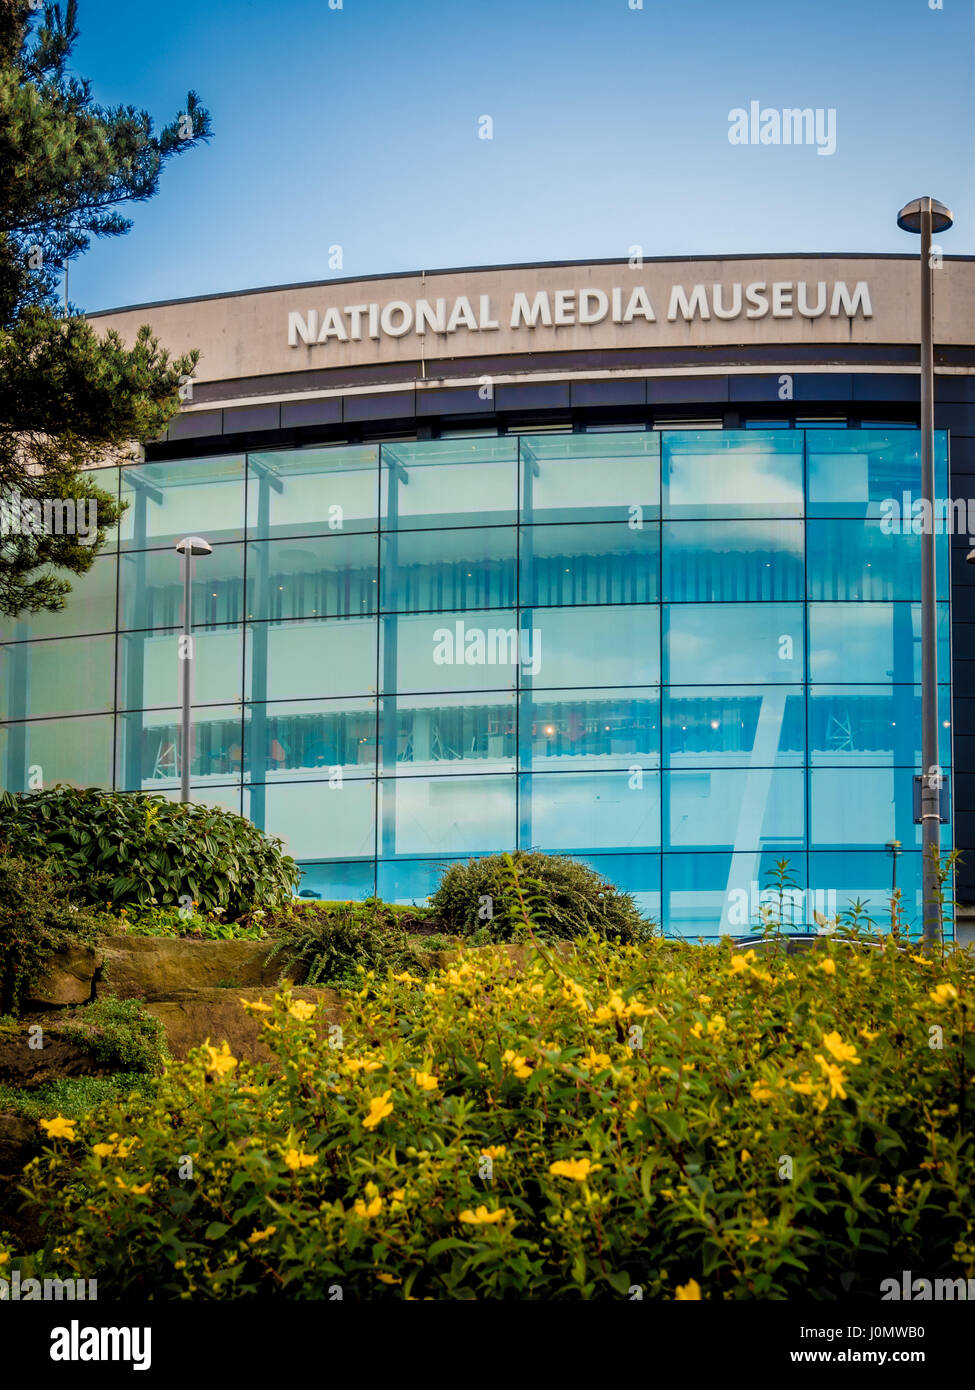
(359, 128)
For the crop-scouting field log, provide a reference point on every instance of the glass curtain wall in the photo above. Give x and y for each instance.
(679, 656)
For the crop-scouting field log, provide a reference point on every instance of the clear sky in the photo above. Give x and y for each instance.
(358, 127)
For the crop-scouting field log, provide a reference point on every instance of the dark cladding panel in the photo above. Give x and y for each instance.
(758, 388)
(453, 400)
(626, 392)
(822, 386)
(198, 425)
(251, 419)
(960, 419)
(542, 395)
(298, 413)
(683, 390)
(398, 405)
(886, 386)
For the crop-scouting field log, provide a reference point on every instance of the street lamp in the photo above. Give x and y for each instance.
(927, 215)
(188, 547)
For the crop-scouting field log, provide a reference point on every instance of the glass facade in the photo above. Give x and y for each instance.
(677, 655)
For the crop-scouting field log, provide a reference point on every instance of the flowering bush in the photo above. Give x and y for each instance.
(689, 1121)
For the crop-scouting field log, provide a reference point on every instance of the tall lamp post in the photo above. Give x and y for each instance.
(188, 547)
(927, 215)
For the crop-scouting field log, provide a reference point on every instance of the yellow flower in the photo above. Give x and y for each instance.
(367, 1210)
(943, 994)
(804, 1086)
(405, 979)
(738, 964)
(483, 1217)
(595, 1059)
(301, 1010)
(356, 1064)
(716, 1026)
(379, 1108)
(578, 1169)
(843, 1052)
(745, 1155)
(388, 1279)
(828, 966)
(866, 1033)
(836, 1077)
(255, 1006)
(141, 1191)
(4, 1257)
(696, 1030)
(103, 1150)
(760, 1092)
(295, 1159)
(426, 1080)
(398, 1194)
(221, 1062)
(58, 1128)
(266, 1234)
(689, 1292)
(518, 1065)
(495, 1151)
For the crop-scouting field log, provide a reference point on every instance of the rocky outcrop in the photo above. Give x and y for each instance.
(68, 979)
(160, 967)
(37, 1051)
(192, 1017)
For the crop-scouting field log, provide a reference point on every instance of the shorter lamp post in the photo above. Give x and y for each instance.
(188, 547)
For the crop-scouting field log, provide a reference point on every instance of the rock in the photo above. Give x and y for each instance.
(67, 979)
(159, 967)
(19, 1139)
(59, 1056)
(192, 1017)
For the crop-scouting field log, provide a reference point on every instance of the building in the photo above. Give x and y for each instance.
(614, 559)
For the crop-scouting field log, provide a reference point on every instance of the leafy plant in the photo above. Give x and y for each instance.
(329, 944)
(72, 1096)
(179, 922)
(136, 849)
(119, 1033)
(616, 1116)
(37, 918)
(568, 899)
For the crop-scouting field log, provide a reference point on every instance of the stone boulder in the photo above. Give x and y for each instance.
(68, 978)
(190, 1018)
(26, 1066)
(160, 967)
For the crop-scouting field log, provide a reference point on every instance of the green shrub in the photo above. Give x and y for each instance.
(118, 1033)
(182, 922)
(567, 899)
(328, 944)
(37, 917)
(131, 848)
(617, 1117)
(73, 1096)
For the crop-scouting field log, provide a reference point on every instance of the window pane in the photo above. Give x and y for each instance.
(41, 753)
(853, 472)
(864, 560)
(306, 492)
(449, 651)
(191, 497)
(593, 646)
(843, 878)
(743, 810)
(311, 659)
(637, 874)
(316, 577)
(732, 473)
(312, 816)
(598, 563)
(734, 727)
(408, 880)
(570, 729)
(455, 483)
(577, 812)
(872, 725)
(739, 644)
(150, 748)
(151, 590)
(448, 734)
(447, 815)
(732, 561)
(710, 895)
(862, 808)
(590, 477)
(339, 881)
(870, 642)
(435, 571)
(70, 676)
(149, 672)
(90, 606)
(313, 737)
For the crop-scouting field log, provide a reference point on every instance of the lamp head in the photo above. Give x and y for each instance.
(194, 545)
(909, 217)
